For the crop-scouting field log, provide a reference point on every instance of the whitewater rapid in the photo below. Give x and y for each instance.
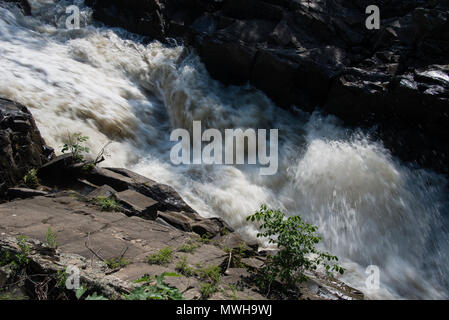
(371, 209)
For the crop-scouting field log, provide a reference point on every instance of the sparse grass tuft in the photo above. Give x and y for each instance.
(30, 179)
(188, 247)
(233, 295)
(163, 256)
(107, 204)
(119, 263)
(205, 238)
(207, 289)
(183, 268)
(24, 251)
(211, 273)
(237, 254)
(50, 239)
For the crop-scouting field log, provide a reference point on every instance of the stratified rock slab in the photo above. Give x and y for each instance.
(24, 193)
(137, 202)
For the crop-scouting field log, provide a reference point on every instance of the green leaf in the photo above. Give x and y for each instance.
(80, 291)
(170, 274)
(95, 296)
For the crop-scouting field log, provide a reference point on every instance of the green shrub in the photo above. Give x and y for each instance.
(75, 145)
(210, 276)
(163, 256)
(61, 279)
(6, 258)
(50, 239)
(30, 179)
(155, 289)
(22, 258)
(296, 241)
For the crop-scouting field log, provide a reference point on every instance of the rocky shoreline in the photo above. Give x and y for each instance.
(320, 56)
(148, 217)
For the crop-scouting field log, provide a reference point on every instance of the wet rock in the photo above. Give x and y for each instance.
(323, 287)
(143, 17)
(23, 4)
(22, 147)
(228, 61)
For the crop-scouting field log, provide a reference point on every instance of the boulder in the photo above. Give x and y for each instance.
(207, 227)
(143, 17)
(23, 4)
(22, 147)
(177, 219)
(58, 169)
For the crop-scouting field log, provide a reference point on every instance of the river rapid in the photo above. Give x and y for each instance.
(111, 85)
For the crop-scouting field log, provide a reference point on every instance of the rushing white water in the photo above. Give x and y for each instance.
(370, 208)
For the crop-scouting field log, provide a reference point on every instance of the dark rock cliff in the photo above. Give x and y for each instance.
(21, 145)
(318, 54)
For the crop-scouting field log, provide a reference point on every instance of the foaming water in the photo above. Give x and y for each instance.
(370, 209)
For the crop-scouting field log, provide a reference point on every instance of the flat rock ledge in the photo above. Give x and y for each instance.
(88, 236)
